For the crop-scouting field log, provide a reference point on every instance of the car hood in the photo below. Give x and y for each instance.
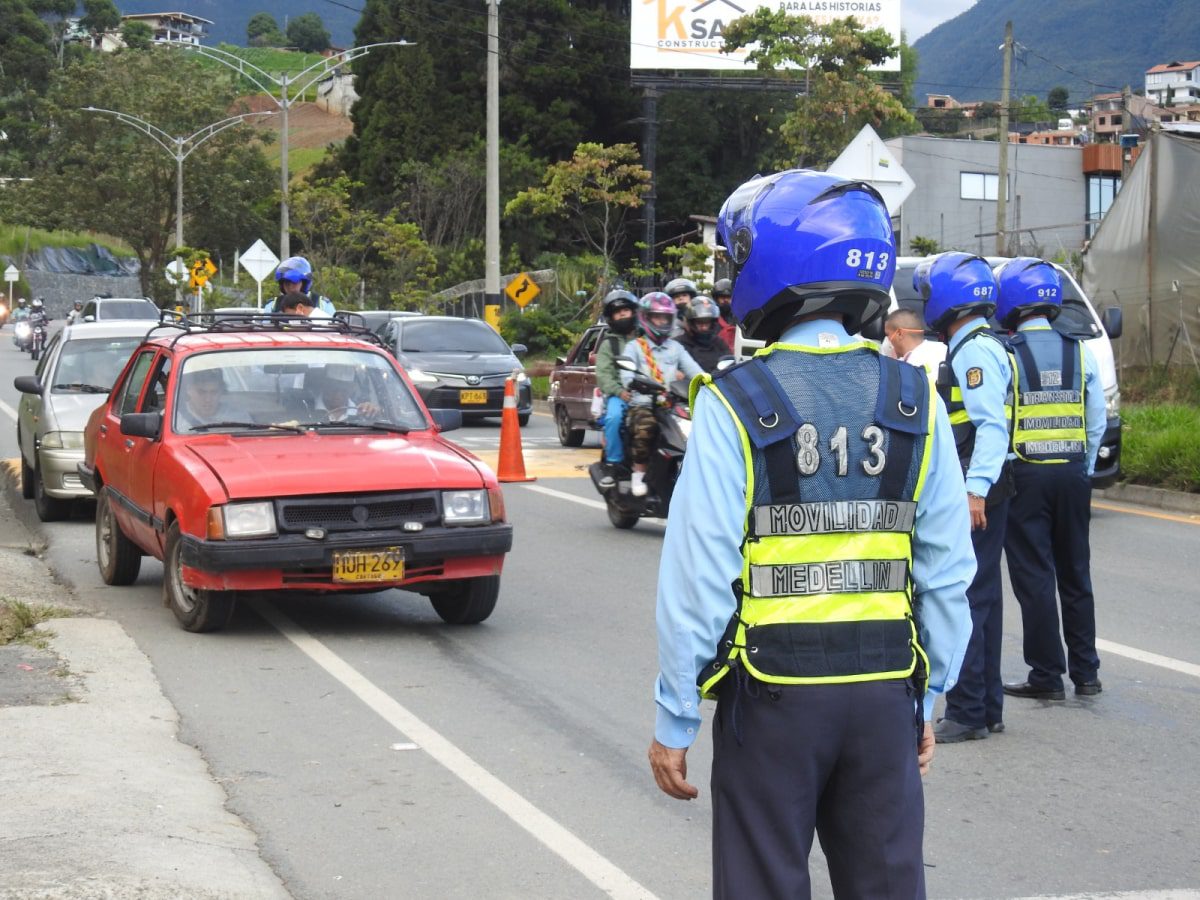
(285, 466)
(70, 411)
(461, 363)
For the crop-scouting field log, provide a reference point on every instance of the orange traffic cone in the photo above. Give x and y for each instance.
(511, 464)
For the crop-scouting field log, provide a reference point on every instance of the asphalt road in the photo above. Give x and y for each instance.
(379, 753)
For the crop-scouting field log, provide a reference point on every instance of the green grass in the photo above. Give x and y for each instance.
(17, 618)
(300, 159)
(1157, 384)
(540, 385)
(1160, 445)
(16, 239)
(271, 60)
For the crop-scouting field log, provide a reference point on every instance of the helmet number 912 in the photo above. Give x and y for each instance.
(867, 259)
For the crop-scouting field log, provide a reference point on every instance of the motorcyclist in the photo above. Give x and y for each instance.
(700, 336)
(37, 319)
(658, 358)
(20, 314)
(722, 293)
(76, 310)
(681, 291)
(294, 276)
(620, 312)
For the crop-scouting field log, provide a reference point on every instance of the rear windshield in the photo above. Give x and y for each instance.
(91, 366)
(449, 336)
(127, 309)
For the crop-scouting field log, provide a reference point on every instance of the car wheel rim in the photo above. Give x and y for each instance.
(185, 597)
(564, 428)
(104, 546)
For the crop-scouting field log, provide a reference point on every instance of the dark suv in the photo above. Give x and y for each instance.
(572, 384)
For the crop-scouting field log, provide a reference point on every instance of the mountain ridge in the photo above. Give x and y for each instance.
(1078, 44)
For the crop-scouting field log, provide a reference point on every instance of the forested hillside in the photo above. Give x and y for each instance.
(230, 17)
(1089, 46)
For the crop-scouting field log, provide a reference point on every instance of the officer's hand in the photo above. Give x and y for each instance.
(626, 396)
(925, 749)
(669, 765)
(978, 508)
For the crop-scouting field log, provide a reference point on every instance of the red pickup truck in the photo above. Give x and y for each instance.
(257, 455)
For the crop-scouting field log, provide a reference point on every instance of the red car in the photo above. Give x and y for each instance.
(260, 456)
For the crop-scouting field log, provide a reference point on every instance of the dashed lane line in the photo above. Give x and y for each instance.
(555, 837)
(8, 410)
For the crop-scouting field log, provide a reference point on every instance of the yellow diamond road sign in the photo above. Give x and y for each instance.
(522, 289)
(202, 270)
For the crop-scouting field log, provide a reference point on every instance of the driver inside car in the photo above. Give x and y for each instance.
(205, 400)
(337, 386)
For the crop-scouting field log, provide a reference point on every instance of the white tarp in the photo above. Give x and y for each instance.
(1144, 255)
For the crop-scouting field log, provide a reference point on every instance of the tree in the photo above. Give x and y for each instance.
(592, 191)
(100, 16)
(307, 32)
(263, 31)
(1057, 99)
(137, 35)
(923, 246)
(832, 59)
(26, 61)
(54, 13)
(105, 176)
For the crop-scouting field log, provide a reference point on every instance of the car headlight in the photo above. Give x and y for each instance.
(63, 440)
(242, 520)
(21, 329)
(1112, 403)
(419, 377)
(522, 377)
(465, 508)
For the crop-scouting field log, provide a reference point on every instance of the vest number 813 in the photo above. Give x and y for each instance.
(808, 457)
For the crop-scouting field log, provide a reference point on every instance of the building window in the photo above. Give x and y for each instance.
(1101, 190)
(977, 185)
(1117, 120)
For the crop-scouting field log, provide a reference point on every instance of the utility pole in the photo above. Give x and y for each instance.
(1002, 182)
(491, 270)
(1126, 127)
(650, 161)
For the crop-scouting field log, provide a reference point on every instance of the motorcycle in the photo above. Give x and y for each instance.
(37, 339)
(22, 331)
(666, 457)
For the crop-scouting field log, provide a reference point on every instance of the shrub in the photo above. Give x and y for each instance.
(541, 331)
(1160, 446)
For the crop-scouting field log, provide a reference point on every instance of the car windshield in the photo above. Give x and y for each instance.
(287, 388)
(127, 309)
(450, 336)
(91, 366)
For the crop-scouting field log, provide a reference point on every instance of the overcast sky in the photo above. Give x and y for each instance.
(920, 16)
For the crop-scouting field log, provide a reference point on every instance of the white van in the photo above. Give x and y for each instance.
(1078, 320)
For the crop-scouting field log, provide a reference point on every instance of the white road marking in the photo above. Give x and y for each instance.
(563, 495)
(555, 837)
(8, 410)
(1154, 659)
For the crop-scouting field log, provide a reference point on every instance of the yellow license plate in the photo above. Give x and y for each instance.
(472, 396)
(368, 565)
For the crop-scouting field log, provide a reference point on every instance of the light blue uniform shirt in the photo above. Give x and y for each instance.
(984, 403)
(1046, 345)
(701, 556)
(669, 356)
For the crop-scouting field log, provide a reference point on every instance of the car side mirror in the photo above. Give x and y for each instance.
(519, 349)
(89, 318)
(447, 419)
(28, 384)
(1113, 320)
(147, 424)
(560, 360)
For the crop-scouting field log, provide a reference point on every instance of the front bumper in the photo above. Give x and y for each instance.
(444, 396)
(1108, 461)
(295, 561)
(60, 473)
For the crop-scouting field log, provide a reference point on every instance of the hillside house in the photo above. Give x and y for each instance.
(172, 26)
(1173, 83)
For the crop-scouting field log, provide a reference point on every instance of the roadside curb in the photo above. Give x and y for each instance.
(1158, 498)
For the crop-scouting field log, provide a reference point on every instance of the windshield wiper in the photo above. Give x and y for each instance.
(82, 388)
(207, 426)
(392, 427)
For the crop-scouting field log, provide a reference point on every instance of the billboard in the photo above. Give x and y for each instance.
(686, 34)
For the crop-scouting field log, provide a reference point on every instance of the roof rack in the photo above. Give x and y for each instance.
(216, 321)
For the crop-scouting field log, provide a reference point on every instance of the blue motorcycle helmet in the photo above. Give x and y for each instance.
(1027, 286)
(295, 268)
(803, 242)
(954, 286)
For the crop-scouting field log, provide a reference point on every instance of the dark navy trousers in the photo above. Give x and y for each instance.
(1047, 546)
(839, 760)
(978, 697)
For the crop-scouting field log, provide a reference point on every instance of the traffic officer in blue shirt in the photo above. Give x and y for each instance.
(1058, 423)
(960, 293)
(815, 566)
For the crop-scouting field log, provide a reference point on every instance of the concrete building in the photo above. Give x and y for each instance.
(172, 26)
(954, 202)
(1173, 83)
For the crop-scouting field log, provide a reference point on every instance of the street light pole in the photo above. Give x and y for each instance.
(260, 79)
(180, 147)
(491, 270)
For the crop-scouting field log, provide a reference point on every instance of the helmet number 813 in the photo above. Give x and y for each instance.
(867, 259)
(808, 454)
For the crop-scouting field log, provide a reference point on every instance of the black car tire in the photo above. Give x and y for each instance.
(567, 436)
(49, 509)
(26, 473)
(197, 610)
(619, 517)
(523, 419)
(467, 602)
(119, 558)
